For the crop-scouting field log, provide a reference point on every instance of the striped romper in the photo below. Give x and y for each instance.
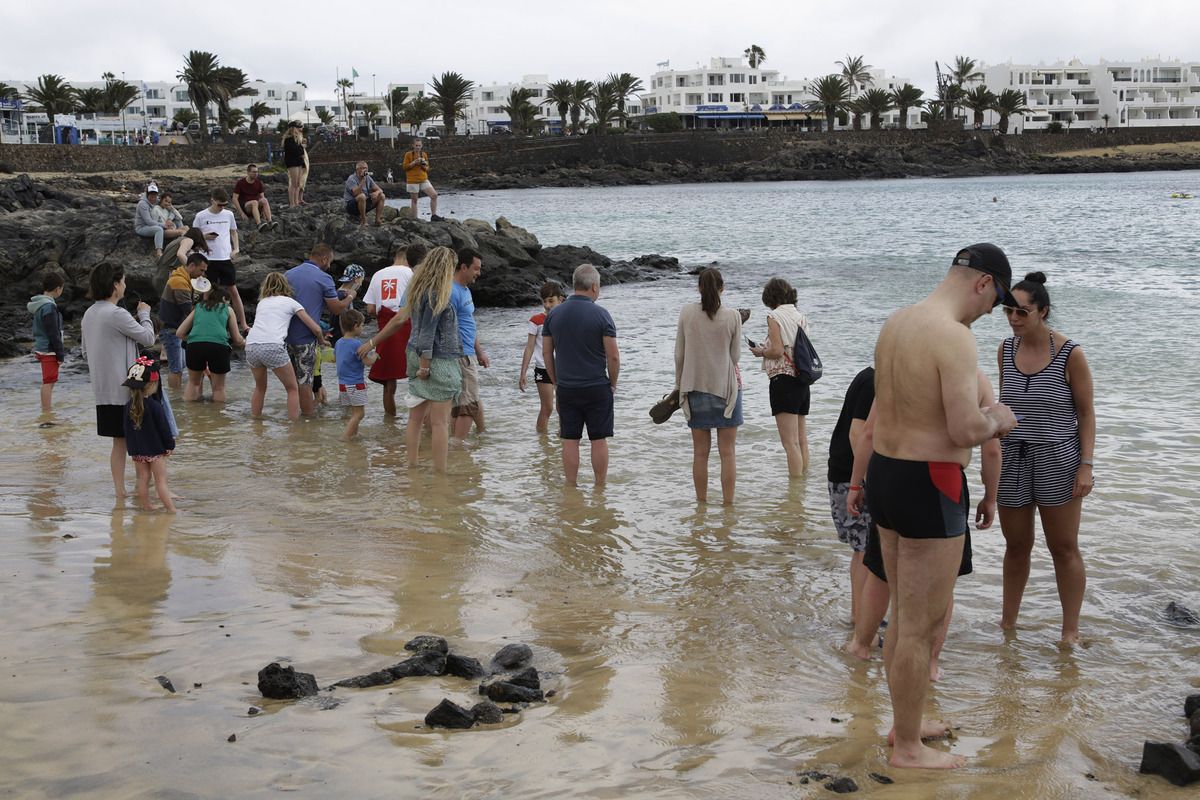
(1041, 455)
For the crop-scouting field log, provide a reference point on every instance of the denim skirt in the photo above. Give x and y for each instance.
(707, 411)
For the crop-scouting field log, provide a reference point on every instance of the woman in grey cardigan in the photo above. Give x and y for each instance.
(111, 337)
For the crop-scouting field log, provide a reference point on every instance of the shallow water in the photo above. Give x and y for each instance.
(696, 647)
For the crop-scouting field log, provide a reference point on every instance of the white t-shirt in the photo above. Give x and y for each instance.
(535, 330)
(387, 287)
(221, 223)
(271, 320)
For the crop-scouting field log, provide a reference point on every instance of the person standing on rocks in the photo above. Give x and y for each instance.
(928, 419)
(362, 193)
(314, 290)
(294, 160)
(384, 296)
(416, 174)
(177, 300)
(220, 230)
(579, 344)
(145, 224)
(469, 406)
(250, 199)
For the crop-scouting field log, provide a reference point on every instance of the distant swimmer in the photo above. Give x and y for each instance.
(995, 200)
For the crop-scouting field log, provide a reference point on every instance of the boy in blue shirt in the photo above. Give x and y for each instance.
(47, 333)
(352, 383)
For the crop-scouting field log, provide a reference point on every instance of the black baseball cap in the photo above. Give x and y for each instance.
(990, 260)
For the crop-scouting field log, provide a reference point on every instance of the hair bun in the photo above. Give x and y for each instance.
(1036, 277)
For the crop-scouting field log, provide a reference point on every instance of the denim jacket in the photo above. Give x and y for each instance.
(434, 335)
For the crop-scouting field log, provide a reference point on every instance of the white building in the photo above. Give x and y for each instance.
(1114, 94)
(729, 93)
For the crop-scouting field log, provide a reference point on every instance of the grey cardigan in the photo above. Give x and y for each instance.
(110, 343)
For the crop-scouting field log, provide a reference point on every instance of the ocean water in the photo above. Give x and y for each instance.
(694, 649)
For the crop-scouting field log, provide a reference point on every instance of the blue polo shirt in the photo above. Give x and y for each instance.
(578, 327)
(310, 286)
(464, 307)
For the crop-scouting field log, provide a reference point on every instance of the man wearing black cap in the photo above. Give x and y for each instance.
(927, 421)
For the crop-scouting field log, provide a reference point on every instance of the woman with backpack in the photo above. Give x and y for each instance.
(789, 393)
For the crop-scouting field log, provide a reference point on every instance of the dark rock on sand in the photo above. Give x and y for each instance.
(165, 682)
(1194, 725)
(512, 656)
(1178, 614)
(284, 683)
(427, 662)
(1194, 744)
(379, 678)
(527, 677)
(464, 667)
(1174, 762)
(842, 785)
(420, 644)
(1191, 705)
(505, 692)
(487, 713)
(884, 779)
(449, 715)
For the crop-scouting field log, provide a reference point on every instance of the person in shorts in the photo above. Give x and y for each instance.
(551, 293)
(468, 407)
(265, 345)
(211, 333)
(174, 305)
(790, 396)
(47, 333)
(220, 232)
(416, 176)
(352, 384)
(851, 530)
(363, 193)
(579, 344)
(314, 290)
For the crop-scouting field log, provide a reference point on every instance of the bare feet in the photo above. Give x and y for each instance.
(1008, 624)
(1069, 639)
(936, 673)
(930, 729)
(858, 651)
(924, 757)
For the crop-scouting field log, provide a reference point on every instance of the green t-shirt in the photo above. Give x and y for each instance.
(210, 326)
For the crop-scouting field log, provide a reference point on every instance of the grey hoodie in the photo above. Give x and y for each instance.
(47, 326)
(144, 215)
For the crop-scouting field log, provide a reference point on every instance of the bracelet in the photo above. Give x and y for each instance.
(854, 488)
(1087, 461)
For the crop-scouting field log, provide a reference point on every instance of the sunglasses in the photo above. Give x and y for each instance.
(1021, 313)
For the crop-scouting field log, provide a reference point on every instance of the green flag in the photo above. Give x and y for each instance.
(353, 72)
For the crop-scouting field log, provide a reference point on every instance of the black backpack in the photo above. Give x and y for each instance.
(804, 356)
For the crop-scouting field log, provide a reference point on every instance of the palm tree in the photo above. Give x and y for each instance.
(185, 117)
(858, 109)
(624, 85)
(934, 110)
(877, 102)
(325, 116)
(9, 92)
(417, 110)
(395, 101)
(200, 75)
(979, 100)
(755, 55)
(559, 94)
(256, 112)
(233, 83)
(950, 96)
(581, 94)
(1007, 103)
(964, 70)
(522, 114)
(832, 94)
(235, 119)
(371, 110)
(345, 84)
(604, 105)
(452, 92)
(854, 72)
(89, 101)
(118, 95)
(904, 98)
(52, 95)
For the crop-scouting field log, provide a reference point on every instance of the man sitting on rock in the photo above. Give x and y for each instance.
(250, 199)
(362, 192)
(144, 222)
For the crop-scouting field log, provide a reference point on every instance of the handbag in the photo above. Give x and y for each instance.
(661, 411)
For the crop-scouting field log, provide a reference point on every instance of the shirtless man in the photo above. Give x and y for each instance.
(928, 420)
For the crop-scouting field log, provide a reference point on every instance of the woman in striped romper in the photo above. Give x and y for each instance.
(1045, 379)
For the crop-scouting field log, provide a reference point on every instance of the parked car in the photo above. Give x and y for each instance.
(500, 130)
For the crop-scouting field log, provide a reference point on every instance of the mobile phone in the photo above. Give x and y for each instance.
(751, 342)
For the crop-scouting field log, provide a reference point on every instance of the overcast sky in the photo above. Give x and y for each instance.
(499, 41)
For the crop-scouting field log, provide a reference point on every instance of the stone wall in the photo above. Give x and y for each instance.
(463, 156)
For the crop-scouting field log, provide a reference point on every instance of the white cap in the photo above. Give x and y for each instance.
(153, 187)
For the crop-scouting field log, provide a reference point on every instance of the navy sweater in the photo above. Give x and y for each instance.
(154, 437)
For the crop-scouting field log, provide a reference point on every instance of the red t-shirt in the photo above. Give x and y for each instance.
(245, 190)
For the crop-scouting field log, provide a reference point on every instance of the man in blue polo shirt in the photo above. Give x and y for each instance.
(468, 407)
(313, 288)
(579, 342)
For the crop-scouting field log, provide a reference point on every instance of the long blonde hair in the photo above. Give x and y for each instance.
(137, 403)
(431, 283)
(273, 285)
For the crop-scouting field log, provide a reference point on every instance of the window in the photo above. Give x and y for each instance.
(737, 77)
(319, 109)
(270, 93)
(693, 99)
(276, 110)
(154, 94)
(181, 97)
(716, 80)
(716, 97)
(291, 96)
(489, 96)
(753, 79)
(680, 80)
(737, 97)
(536, 92)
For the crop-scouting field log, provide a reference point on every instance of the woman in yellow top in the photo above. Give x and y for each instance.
(416, 174)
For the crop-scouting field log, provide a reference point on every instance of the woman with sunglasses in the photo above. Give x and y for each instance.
(1047, 463)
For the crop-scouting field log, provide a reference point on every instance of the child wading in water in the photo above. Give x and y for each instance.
(352, 386)
(552, 293)
(209, 331)
(47, 334)
(148, 438)
(265, 347)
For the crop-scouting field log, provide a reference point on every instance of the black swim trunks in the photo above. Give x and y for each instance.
(918, 499)
(873, 555)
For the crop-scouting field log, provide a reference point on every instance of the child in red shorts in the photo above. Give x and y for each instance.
(47, 333)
